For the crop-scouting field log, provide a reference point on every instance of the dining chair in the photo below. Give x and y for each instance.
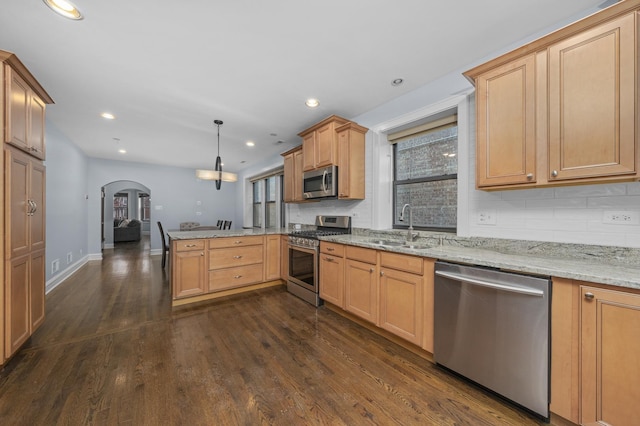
(227, 224)
(165, 246)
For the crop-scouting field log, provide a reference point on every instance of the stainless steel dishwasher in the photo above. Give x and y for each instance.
(492, 327)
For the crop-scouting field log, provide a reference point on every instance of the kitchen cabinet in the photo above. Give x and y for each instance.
(401, 299)
(235, 262)
(351, 169)
(595, 366)
(610, 356)
(284, 257)
(320, 143)
(272, 257)
(563, 109)
(25, 115)
(361, 283)
(332, 273)
(293, 175)
(22, 177)
(188, 268)
(506, 137)
(25, 304)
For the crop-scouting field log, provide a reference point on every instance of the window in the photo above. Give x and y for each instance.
(426, 175)
(144, 207)
(268, 205)
(121, 206)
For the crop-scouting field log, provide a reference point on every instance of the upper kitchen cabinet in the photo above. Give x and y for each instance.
(563, 109)
(25, 101)
(350, 162)
(293, 175)
(320, 143)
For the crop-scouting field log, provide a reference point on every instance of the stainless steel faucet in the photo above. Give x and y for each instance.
(410, 234)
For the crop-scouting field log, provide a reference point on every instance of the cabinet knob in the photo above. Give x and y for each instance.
(381, 272)
(328, 259)
(237, 242)
(190, 245)
(589, 296)
(554, 173)
(237, 257)
(202, 254)
(371, 270)
(237, 276)
(530, 176)
(330, 249)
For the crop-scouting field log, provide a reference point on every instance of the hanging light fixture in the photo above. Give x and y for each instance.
(217, 174)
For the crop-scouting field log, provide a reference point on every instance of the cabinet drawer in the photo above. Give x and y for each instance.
(334, 249)
(362, 254)
(236, 241)
(188, 245)
(234, 277)
(401, 262)
(235, 256)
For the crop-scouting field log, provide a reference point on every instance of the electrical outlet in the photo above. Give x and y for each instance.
(69, 257)
(621, 217)
(487, 217)
(55, 266)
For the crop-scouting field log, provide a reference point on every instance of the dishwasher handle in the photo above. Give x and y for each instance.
(496, 286)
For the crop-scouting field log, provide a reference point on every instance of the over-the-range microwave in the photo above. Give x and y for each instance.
(320, 183)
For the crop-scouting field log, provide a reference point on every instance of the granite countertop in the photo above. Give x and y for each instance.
(198, 234)
(604, 265)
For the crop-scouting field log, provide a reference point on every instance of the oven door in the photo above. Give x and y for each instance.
(303, 267)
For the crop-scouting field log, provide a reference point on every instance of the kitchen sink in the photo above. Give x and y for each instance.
(396, 243)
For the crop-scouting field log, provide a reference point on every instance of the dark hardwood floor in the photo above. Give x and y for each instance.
(112, 351)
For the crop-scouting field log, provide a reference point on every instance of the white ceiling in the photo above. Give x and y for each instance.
(168, 69)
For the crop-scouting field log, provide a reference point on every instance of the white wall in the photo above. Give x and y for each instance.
(132, 189)
(67, 206)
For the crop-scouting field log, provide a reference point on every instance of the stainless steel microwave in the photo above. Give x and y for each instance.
(320, 183)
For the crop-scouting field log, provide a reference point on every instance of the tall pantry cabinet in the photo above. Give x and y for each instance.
(22, 190)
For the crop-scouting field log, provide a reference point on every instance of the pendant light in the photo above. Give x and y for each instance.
(217, 174)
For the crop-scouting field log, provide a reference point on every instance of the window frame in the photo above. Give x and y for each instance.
(262, 180)
(437, 178)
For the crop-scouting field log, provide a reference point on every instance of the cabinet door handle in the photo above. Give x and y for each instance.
(530, 176)
(189, 245)
(237, 242)
(589, 296)
(381, 273)
(371, 270)
(237, 257)
(554, 173)
(202, 254)
(35, 207)
(328, 259)
(237, 276)
(330, 249)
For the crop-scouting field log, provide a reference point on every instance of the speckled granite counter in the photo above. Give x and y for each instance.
(598, 264)
(198, 234)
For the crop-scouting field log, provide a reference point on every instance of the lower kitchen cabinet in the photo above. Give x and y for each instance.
(401, 299)
(595, 353)
(610, 356)
(272, 257)
(284, 257)
(361, 283)
(332, 273)
(24, 305)
(188, 268)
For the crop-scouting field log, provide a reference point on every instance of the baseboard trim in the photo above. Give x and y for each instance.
(65, 273)
(155, 252)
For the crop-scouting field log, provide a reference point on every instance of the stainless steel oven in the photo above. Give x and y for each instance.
(304, 248)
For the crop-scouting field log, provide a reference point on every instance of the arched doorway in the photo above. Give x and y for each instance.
(124, 200)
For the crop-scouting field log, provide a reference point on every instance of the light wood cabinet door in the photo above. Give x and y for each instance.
(272, 257)
(309, 152)
(189, 273)
(25, 113)
(37, 289)
(235, 256)
(284, 257)
(37, 179)
(297, 176)
(289, 173)
(17, 217)
(610, 356)
(17, 304)
(592, 102)
(361, 289)
(351, 161)
(506, 125)
(332, 279)
(401, 304)
(325, 145)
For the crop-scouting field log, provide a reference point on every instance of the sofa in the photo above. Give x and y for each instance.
(126, 230)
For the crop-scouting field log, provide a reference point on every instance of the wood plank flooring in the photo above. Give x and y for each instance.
(112, 351)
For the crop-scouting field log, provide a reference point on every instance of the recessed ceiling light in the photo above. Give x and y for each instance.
(107, 115)
(397, 82)
(122, 151)
(64, 8)
(251, 143)
(312, 103)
